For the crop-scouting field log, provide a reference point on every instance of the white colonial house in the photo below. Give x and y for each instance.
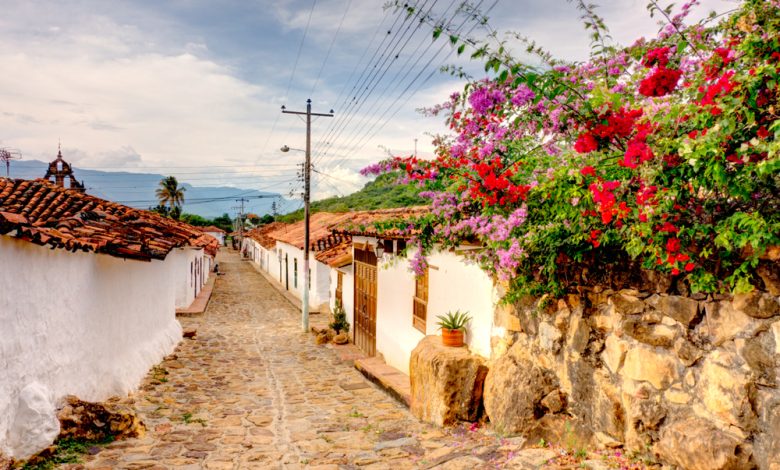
(278, 249)
(215, 232)
(88, 292)
(393, 309)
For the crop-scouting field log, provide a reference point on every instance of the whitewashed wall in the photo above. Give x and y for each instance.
(193, 267)
(320, 282)
(453, 284)
(219, 236)
(348, 293)
(75, 323)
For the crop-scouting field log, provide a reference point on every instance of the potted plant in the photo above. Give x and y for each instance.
(453, 327)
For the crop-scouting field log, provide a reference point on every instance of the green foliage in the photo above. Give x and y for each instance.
(66, 451)
(382, 193)
(339, 322)
(453, 320)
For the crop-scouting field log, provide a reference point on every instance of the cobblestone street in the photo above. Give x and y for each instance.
(252, 391)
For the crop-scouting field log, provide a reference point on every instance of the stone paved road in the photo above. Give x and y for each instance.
(252, 391)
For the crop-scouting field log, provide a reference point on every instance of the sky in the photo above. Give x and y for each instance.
(194, 88)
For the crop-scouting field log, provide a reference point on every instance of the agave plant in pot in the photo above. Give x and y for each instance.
(453, 327)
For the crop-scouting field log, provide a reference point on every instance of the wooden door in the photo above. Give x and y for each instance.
(365, 300)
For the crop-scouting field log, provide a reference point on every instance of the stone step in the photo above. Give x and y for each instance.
(390, 379)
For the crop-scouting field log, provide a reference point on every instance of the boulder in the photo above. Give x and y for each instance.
(656, 366)
(696, 444)
(682, 309)
(35, 424)
(514, 390)
(97, 421)
(446, 383)
(654, 335)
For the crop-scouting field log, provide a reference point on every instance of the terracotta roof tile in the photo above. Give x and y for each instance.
(365, 223)
(320, 236)
(43, 213)
(337, 256)
(261, 234)
(211, 229)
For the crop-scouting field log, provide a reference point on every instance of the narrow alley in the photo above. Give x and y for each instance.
(252, 391)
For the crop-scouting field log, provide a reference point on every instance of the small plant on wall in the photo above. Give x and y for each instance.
(453, 327)
(339, 323)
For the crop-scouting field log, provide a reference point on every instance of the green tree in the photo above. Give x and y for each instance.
(170, 194)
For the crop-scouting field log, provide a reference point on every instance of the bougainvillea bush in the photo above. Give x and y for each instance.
(662, 155)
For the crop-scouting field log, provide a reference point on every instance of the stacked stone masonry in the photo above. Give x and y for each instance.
(692, 381)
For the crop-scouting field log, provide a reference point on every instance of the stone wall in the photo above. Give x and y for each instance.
(690, 380)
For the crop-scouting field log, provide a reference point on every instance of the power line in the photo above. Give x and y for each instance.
(368, 90)
(345, 106)
(397, 82)
(364, 140)
(327, 54)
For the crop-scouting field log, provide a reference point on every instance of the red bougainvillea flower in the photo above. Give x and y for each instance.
(637, 152)
(586, 143)
(673, 245)
(588, 171)
(658, 56)
(660, 82)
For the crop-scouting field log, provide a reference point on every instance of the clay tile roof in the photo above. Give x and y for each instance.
(320, 236)
(337, 256)
(368, 223)
(261, 234)
(211, 229)
(45, 214)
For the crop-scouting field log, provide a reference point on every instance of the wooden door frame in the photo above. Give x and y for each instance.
(365, 297)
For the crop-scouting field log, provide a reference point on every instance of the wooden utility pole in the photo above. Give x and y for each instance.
(306, 197)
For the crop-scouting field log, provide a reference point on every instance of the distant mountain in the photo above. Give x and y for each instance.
(137, 190)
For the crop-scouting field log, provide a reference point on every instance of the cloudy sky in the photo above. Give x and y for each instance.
(194, 87)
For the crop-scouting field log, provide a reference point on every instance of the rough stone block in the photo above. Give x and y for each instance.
(723, 323)
(682, 309)
(696, 444)
(446, 383)
(757, 304)
(656, 366)
(726, 390)
(614, 352)
(514, 390)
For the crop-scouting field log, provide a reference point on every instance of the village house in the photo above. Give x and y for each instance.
(279, 251)
(215, 232)
(392, 309)
(87, 303)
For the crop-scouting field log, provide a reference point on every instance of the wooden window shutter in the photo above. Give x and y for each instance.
(420, 304)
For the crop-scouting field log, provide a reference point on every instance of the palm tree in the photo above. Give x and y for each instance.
(170, 194)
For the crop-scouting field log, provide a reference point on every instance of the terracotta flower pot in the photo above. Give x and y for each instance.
(452, 338)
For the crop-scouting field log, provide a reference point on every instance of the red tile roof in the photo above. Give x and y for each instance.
(211, 229)
(336, 256)
(45, 214)
(320, 235)
(261, 234)
(366, 223)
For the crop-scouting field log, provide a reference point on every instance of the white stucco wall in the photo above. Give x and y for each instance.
(453, 284)
(76, 323)
(348, 293)
(193, 268)
(320, 282)
(219, 236)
